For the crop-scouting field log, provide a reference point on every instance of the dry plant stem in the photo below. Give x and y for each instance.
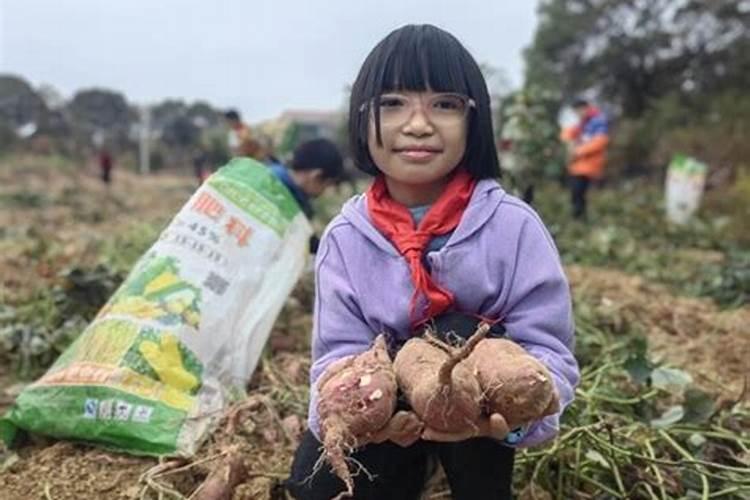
(435, 342)
(601, 486)
(704, 480)
(578, 464)
(656, 470)
(112, 484)
(267, 475)
(271, 409)
(650, 491)
(688, 460)
(190, 465)
(151, 476)
(160, 468)
(278, 380)
(233, 414)
(446, 369)
(160, 489)
(616, 471)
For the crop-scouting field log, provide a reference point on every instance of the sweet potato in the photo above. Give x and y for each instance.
(220, 484)
(514, 383)
(357, 397)
(442, 391)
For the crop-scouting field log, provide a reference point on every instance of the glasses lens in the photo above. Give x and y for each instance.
(447, 109)
(394, 109)
(441, 109)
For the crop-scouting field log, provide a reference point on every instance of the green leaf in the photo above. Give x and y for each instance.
(673, 415)
(638, 367)
(670, 379)
(699, 406)
(696, 440)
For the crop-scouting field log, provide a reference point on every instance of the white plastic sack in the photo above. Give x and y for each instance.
(686, 178)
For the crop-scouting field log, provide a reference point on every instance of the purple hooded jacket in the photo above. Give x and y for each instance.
(500, 262)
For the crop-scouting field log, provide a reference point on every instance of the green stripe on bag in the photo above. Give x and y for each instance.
(111, 417)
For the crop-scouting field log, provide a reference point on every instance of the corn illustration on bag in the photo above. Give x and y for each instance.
(184, 332)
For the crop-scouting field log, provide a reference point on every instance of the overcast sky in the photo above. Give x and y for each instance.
(261, 56)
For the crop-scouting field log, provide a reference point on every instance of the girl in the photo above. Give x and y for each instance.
(434, 237)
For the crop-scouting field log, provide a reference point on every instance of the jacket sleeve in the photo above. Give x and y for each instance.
(595, 145)
(538, 315)
(339, 329)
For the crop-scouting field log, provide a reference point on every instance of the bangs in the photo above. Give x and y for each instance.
(417, 62)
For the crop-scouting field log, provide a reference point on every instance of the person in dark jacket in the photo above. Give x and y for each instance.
(316, 165)
(105, 166)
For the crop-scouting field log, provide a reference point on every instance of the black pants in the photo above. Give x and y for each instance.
(477, 469)
(579, 184)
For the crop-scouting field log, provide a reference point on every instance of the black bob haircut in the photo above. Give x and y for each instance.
(322, 154)
(418, 58)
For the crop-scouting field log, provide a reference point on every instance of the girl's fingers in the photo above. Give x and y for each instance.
(498, 427)
(403, 428)
(494, 427)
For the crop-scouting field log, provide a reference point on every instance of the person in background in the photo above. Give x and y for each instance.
(105, 166)
(587, 143)
(201, 169)
(241, 140)
(315, 166)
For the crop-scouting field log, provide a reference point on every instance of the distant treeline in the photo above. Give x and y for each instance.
(40, 119)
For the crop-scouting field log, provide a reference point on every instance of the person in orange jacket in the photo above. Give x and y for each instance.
(587, 145)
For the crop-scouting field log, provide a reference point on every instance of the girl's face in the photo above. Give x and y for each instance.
(424, 139)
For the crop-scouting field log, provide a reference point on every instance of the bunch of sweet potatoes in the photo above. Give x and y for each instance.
(449, 388)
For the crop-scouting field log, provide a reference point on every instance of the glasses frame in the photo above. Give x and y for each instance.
(369, 105)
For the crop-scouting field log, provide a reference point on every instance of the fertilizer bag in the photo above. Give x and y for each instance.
(183, 333)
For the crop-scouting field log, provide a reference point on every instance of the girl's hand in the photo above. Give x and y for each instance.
(404, 428)
(493, 426)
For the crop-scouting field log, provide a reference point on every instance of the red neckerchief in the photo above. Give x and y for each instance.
(395, 222)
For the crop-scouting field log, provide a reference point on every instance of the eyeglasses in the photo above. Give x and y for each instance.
(442, 110)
